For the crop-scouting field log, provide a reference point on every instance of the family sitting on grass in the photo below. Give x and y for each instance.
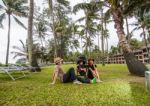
(85, 73)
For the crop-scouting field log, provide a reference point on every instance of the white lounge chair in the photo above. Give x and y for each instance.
(10, 69)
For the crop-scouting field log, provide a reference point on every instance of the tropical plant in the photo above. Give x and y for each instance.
(20, 51)
(31, 53)
(89, 29)
(41, 29)
(15, 9)
(118, 8)
(54, 9)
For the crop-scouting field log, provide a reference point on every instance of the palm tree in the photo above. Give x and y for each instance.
(117, 9)
(30, 31)
(20, 51)
(102, 37)
(40, 29)
(90, 15)
(50, 3)
(52, 9)
(31, 53)
(12, 8)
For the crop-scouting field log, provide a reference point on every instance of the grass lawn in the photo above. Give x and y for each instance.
(119, 88)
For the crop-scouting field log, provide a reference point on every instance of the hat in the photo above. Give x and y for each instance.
(80, 60)
(57, 60)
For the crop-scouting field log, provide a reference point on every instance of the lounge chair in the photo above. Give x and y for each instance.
(10, 69)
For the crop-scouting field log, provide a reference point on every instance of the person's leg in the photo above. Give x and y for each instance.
(72, 74)
(83, 80)
(69, 76)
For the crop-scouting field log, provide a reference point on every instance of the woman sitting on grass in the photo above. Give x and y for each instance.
(69, 76)
(92, 70)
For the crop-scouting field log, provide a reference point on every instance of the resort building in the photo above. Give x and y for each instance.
(141, 54)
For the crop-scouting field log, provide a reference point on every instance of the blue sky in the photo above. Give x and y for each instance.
(18, 33)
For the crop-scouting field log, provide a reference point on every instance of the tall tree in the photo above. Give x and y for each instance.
(89, 28)
(12, 8)
(117, 8)
(50, 3)
(31, 52)
(30, 31)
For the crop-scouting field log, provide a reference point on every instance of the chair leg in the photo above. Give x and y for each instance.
(10, 75)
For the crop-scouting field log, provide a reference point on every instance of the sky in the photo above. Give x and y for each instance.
(18, 33)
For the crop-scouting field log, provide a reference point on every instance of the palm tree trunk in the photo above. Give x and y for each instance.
(134, 65)
(127, 26)
(41, 42)
(53, 27)
(30, 38)
(107, 50)
(81, 44)
(102, 38)
(149, 35)
(31, 54)
(8, 40)
(86, 46)
(98, 41)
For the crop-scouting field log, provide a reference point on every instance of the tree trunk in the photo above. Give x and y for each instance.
(53, 27)
(86, 46)
(134, 65)
(30, 38)
(98, 41)
(127, 25)
(146, 44)
(8, 40)
(102, 38)
(81, 45)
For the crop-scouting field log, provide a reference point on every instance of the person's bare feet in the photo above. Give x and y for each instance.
(98, 80)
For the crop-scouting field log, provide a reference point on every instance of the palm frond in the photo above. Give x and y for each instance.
(132, 5)
(80, 6)
(2, 17)
(1, 7)
(63, 2)
(23, 45)
(18, 54)
(81, 19)
(18, 48)
(19, 22)
(107, 14)
(136, 28)
(142, 34)
(4, 2)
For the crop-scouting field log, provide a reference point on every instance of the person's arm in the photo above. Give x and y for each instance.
(83, 69)
(93, 72)
(55, 74)
(97, 74)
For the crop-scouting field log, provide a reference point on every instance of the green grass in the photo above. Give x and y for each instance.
(119, 88)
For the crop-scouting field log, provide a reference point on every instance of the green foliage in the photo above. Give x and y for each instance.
(135, 44)
(119, 88)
